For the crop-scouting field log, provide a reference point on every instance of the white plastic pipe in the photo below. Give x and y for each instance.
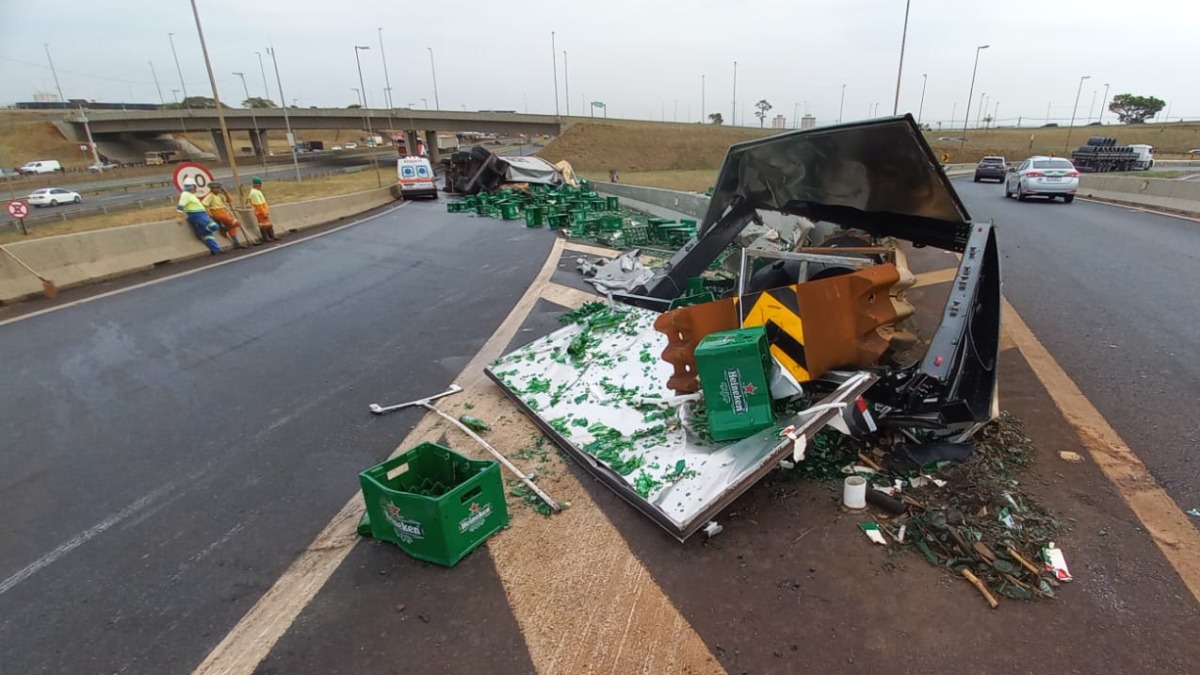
(854, 492)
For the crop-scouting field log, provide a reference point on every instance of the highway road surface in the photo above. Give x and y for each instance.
(1111, 291)
(167, 452)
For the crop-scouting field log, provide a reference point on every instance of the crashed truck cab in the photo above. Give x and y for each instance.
(634, 395)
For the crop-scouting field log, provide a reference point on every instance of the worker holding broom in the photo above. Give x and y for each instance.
(217, 203)
(190, 208)
(262, 211)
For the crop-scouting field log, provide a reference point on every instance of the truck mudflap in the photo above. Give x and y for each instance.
(599, 390)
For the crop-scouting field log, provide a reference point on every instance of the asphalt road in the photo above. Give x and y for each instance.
(167, 452)
(1111, 292)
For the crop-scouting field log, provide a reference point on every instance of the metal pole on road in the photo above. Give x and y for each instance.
(1092, 106)
(921, 109)
(171, 37)
(367, 115)
(900, 70)
(437, 105)
(996, 116)
(554, 61)
(160, 96)
(1103, 103)
(1067, 143)
(979, 115)
(702, 93)
(567, 82)
(970, 94)
(286, 122)
(842, 105)
(212, 80)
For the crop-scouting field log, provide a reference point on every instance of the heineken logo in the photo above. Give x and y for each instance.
(737, 391)
(475, 521)
(406, 530)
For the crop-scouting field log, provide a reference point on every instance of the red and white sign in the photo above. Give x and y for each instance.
(191, 172)
(18, 209)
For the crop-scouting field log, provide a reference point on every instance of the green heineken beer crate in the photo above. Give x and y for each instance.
(433, 503)
(733, 367)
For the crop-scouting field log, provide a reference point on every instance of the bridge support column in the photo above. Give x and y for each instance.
(410, 142)
(218, 141)
(258, 141)
(431, 147)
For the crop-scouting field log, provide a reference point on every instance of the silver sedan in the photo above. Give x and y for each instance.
(1048, 177)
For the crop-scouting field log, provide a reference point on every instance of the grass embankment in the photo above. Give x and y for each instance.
(1170, 141)
(278, 193)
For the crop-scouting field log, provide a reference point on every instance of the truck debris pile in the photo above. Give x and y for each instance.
(681, 396)
(1102, 154)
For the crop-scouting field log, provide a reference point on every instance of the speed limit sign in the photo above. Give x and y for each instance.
(190, 172)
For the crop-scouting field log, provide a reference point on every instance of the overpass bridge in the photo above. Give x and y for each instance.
(113, 125)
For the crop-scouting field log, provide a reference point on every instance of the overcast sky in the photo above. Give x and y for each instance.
(638, 57)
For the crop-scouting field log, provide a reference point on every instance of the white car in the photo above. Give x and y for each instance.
(336, 148)
(1048, 177)
(53, 197)
(351, 146)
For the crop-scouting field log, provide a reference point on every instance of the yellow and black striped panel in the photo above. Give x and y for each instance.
(778, 310)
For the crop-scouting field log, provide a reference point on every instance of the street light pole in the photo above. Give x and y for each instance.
(362, 87)
(554, 61)
(212, 81)
(387, 81)
(282, 104)
(1092, 106)
(921, 109)
(437, 105)
(733, 115)
(979, 115)
(900, 70)
(842, 105)
(55, 73)
(1103, 103)
(702, 103)
(254, 120)
(171, 37)
(263, 71)
(161, 100)
(1067, 143)
(567, 82)
(970, 95)
(996, 116)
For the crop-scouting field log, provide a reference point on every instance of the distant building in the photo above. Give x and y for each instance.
(808, 122)
(780, 122)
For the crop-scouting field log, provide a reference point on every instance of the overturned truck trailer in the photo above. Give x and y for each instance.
(478, 170)
(625, 392)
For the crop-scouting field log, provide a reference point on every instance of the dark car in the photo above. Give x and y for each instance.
(991, 167)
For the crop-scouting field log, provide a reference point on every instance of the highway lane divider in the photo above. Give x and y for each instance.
(71, 260)
(1157, 193)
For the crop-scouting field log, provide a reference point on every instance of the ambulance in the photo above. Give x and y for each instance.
(416, 178)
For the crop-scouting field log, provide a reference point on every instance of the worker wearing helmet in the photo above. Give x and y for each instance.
(217, 203)
(262, 211)
(192, 209)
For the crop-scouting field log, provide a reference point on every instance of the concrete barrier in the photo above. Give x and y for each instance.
(75, 259)
(1176, 195)
(16, 283)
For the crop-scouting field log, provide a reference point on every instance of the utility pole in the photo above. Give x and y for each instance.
(979, 115)
(970, 95)
(182, 84)
(1048, 111)
(900, 70)
(996, 115)
(1092, 106)
(733, 121)
(1067, 143)
(212, 81)
(921, 109)
(567, 82)
(1103, 103)
(161, 100)
(286, 122)
(702, 103)
(554, 61)
(842, 105)
(57, 86)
